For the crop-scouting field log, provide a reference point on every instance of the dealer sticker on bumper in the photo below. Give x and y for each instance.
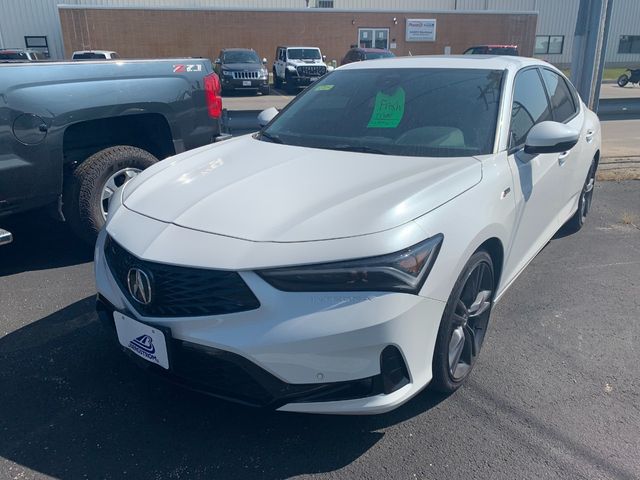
(143, 340)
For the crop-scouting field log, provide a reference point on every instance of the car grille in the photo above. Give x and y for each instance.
(312, 70)
(181, 291)
(246, 75)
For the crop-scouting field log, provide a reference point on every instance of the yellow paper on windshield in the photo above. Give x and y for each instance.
(388, 110)
(324, 88)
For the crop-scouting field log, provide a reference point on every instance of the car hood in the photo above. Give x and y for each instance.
(259, 191)
(242, 66)
(301, 62)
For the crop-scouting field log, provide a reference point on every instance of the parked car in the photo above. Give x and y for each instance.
(72, 133)
(94, 55)
(349, 253)
(298, 67)
(21, 55)
(492, 50)
(361, 54)
(241, 69)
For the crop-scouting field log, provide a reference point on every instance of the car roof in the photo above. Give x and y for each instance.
(297, 46)
(372, 50)
(238, 49)
(495, 46)
(93, 51)
(486, 62)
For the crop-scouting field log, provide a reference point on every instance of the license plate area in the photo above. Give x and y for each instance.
(246, 83)
(146, 341)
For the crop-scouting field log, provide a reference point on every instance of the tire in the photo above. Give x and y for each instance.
(449, 375)
(576, 222)
(277, 81)
(623, 80)
(83, 202)
(288, 86)
(265, 90)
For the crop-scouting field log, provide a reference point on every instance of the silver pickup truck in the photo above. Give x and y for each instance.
(71, 133)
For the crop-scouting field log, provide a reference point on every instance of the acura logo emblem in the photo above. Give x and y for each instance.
(139, 286)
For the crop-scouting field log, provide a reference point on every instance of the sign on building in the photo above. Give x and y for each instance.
(421, 30)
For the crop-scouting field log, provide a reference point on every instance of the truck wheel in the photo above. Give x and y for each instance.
(277, 81)
(87, 193)
(289, 87)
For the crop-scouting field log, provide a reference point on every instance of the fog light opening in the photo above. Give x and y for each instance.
(393, 370)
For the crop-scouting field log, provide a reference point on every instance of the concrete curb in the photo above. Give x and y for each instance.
(619, 168)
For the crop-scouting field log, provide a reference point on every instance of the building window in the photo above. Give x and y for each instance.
(629, 44)
(373, 38)
(38, 43)
(549, 44)
(325, 4)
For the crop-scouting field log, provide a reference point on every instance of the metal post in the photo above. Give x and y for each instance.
(589, 48)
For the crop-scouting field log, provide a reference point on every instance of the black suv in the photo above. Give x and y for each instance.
(241, 69)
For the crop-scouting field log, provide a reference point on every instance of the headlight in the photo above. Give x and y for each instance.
(403, 271)
(227, 74)
(291, 68)
(263, 72)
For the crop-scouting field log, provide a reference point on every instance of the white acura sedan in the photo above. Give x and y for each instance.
(350, 252)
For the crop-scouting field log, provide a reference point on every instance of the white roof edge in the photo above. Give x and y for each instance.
(65, 6)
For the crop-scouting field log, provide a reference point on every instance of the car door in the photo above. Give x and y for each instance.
(537, 181)
(573, 166)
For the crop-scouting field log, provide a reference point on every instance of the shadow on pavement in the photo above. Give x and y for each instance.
(39, 243)
(74, 406)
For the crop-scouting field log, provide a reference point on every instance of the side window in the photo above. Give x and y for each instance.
(561, 99)
(529, 107)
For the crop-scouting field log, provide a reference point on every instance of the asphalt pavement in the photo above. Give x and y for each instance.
(555, 394)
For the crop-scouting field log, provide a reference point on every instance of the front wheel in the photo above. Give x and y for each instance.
(623, 80)
(464, 324)
(89, 190)
(277, 81)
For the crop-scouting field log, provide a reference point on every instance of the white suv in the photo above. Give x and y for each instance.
(298, 67)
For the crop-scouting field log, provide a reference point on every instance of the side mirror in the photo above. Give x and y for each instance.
(218, 61)
(324, 58)
(266, 116)
(264, 61)
(550, 137)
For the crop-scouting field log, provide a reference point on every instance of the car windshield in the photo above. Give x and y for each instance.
(374, 55)
(430, 112)
(304, 53)
(241, 56)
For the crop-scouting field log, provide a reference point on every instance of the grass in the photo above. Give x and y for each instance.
(607, 74)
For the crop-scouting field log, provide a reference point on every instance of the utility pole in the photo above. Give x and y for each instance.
(589, 48)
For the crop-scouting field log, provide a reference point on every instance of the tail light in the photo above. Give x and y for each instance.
(212, 90)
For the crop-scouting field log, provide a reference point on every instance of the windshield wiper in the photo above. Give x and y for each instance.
(357, 148)
(271, 138)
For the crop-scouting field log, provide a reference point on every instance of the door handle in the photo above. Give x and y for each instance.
(589, 136)
(562, 158)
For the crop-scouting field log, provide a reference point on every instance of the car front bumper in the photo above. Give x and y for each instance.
(244, 84)
(304, 352)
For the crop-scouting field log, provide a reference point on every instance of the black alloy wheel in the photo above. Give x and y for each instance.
(464, 324)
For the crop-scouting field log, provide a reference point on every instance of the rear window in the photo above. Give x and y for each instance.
(562, 102)
(375, 55)
(502, 51)
(89, 56)
(13, 56)
(414, 112)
